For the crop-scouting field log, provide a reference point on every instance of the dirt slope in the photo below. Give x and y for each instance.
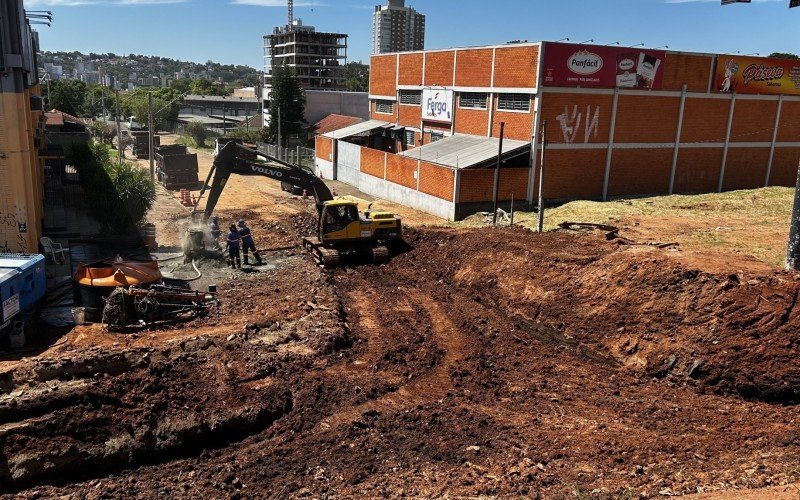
(483, 362)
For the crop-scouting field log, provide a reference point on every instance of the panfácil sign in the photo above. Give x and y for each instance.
(578, 65)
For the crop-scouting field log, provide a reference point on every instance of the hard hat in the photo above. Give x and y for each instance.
(241, 223)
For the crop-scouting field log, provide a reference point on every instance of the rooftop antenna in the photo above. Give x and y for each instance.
(637, 45)
(291, 11)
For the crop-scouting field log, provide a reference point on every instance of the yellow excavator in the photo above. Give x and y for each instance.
(342, 231)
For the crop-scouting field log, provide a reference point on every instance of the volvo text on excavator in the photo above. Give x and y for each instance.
(342, 231)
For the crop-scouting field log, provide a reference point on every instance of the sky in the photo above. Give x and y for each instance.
(231, 31)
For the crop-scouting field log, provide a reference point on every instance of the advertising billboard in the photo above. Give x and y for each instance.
(437, 105)
(757, 75)
(578, 65)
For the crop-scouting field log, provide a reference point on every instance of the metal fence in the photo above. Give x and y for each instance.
(296, 156)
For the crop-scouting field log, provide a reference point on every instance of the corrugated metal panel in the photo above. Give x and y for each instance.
(464, 151)
(358, 128)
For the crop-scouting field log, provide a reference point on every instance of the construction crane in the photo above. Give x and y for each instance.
(291, 11)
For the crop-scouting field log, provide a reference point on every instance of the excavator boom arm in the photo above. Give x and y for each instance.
(237, 159)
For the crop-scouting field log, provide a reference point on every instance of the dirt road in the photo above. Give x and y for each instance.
(484, 362)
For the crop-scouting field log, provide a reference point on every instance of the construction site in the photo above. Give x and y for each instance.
(477, 362)
(367, 329)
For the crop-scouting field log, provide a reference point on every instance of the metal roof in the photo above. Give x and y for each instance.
(205, 120)
(358, 128)
(219, 98)
(465, 151)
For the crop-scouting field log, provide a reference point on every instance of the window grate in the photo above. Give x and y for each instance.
(409, 138)
(473, 100)
(514, 102)
(412, 97)
(384, 107)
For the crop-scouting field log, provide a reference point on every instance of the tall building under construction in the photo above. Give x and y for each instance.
(316, 58)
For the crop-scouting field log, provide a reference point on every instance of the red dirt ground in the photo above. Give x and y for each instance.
(482, 362)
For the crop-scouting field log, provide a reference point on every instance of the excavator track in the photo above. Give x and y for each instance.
(380, 254)
(328, 257)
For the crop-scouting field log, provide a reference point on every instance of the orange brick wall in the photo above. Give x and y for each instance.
(474, 68)
(646, 119)
(401, 170)
(784, 167)
(745, 168)
(408, 115)
(693, 70)
(436, 181)
(639, 171)
(573, 174)
(382, 74)
(439, 68)
(705, 120)
(478, 185)
(555, 105)
(518, 125)
(472, 121)
(753, 121)
(698, 170)
(516, 66)
(324, 148)
(790, 122)
(411, 69)
(372, 162)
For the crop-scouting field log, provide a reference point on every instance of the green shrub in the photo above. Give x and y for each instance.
(250, 136)
(197, 132)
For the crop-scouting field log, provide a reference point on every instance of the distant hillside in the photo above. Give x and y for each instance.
(131, 67)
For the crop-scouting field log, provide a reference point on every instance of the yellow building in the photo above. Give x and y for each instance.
(21, 133)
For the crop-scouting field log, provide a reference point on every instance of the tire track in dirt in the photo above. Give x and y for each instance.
(428, 387)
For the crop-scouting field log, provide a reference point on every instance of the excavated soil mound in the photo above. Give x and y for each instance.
(732, 334)
(481, 363)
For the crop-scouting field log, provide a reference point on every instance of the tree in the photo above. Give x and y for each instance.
(204, 86)
(356, 76)
(93, 101)
(67, 96)
(289, 98)
(166, 102)
(182, 85)
(784, 55)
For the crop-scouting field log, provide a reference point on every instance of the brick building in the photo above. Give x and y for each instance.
(620, 122)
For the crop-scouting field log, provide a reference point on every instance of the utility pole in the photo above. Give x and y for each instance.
(793, 250)
(497, 174)
(150, 133)
(119, 130)
(540, 222)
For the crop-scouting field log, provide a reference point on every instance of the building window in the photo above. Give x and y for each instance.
(437, 136)
(409, 138)
(413, 97)
(472, 100)
(384, 107)
(514, 102)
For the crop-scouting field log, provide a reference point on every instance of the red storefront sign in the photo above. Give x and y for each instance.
(578, 65)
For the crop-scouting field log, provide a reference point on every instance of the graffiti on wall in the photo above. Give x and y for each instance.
(571, 123)
(10, 225)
